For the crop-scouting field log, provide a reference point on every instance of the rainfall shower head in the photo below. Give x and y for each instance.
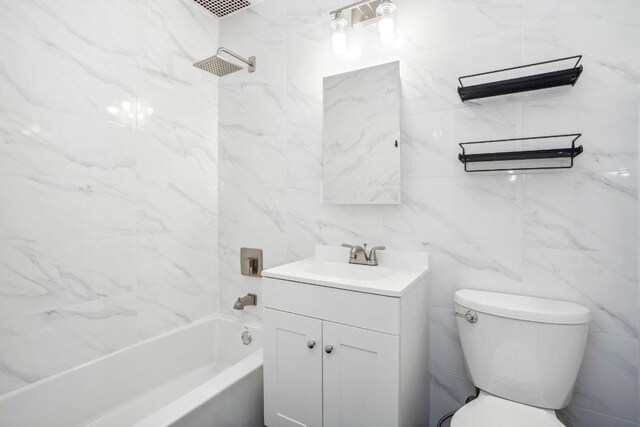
(222, 8)
(221, 67)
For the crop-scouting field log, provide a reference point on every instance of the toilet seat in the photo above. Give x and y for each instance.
(492, 411)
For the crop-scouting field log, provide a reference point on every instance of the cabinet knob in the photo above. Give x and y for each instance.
(328, 348)
(311, 344)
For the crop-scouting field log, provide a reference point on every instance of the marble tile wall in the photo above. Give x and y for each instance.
(569, 234)
(108, 178)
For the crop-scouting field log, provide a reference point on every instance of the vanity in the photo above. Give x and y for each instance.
(346, 345)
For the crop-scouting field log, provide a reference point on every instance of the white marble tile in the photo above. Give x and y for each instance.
(301, 14)
(606, 118)
(186, 108)
(445, 350)
(304, 154)
(88, 67)
(605, 282)
(176, 207)
(39, 141)
(252, 108)
(173, 95)
(35, 347)
(429, 77)
(40, 209)
(608, 380)
(606, 33)
(585, 211)
(475, 208)
(309, 59)
(40, 277)
(430, 141)
(174, 35)
(486, 268)
(252, 207)
(578, 417)
(330, 224)
(175, 158)
(177, 259)
(164, 307)
(254, 160)
(427, 24)
(259, 31)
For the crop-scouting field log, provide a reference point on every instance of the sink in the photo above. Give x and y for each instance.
(349, 271)
(395, 274)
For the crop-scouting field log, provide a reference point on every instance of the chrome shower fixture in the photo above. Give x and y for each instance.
(221, 67)
(222, 8)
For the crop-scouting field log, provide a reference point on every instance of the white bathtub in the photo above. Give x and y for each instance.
(197, 375)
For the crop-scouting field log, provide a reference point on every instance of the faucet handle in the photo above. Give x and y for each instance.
(346, 245)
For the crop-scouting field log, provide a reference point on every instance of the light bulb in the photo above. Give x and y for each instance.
(339, 42)
(387, 23)
(339, 39)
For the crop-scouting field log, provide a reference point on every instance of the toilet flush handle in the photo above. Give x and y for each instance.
(470, 316)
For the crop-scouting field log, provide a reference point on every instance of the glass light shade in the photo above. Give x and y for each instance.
(387, 22)
(339, 39)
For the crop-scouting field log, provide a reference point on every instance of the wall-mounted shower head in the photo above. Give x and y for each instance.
(221, 67)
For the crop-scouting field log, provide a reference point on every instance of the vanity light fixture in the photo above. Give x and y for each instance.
(363, 13)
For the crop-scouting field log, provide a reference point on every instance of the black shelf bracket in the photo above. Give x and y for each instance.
(564, 77)
(501, 156)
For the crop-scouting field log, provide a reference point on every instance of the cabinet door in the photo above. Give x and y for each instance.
(361, 377)
(292, 370)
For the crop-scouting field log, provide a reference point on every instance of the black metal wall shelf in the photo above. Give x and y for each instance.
(522, 155)
(564, 77)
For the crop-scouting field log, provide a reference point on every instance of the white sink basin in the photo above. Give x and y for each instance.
(349, 271)
(395, 274)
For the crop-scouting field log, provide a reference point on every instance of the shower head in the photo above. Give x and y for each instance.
(222, 8)
(221, 67)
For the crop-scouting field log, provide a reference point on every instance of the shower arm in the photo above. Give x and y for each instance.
(251, 62)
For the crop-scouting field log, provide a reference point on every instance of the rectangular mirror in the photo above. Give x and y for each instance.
(362, 136)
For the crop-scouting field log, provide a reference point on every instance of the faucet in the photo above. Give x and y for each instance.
(242, 302)
(358, 254)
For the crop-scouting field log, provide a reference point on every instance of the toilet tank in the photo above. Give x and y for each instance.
(521, 348)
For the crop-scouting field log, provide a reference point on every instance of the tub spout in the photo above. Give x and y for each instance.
(242, 302)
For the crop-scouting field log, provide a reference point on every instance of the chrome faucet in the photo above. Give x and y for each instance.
(358, 254)
(242, 302)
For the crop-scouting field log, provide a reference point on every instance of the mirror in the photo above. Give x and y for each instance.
(362, 136)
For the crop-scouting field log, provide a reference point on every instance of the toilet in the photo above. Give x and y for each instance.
(522, 353)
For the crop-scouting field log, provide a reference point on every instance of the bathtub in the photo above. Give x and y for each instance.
(201, 374)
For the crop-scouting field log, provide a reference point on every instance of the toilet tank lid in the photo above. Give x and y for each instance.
(522, 307)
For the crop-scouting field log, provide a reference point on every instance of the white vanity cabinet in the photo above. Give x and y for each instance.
(336, 357)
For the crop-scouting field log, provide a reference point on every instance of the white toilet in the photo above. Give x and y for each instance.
(523, 353)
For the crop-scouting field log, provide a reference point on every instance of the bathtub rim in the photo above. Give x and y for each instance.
(202, 394)
(212, 317)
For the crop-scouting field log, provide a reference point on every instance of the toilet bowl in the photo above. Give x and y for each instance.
(522, 353)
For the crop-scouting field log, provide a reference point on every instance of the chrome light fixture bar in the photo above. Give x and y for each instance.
(362, 12)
